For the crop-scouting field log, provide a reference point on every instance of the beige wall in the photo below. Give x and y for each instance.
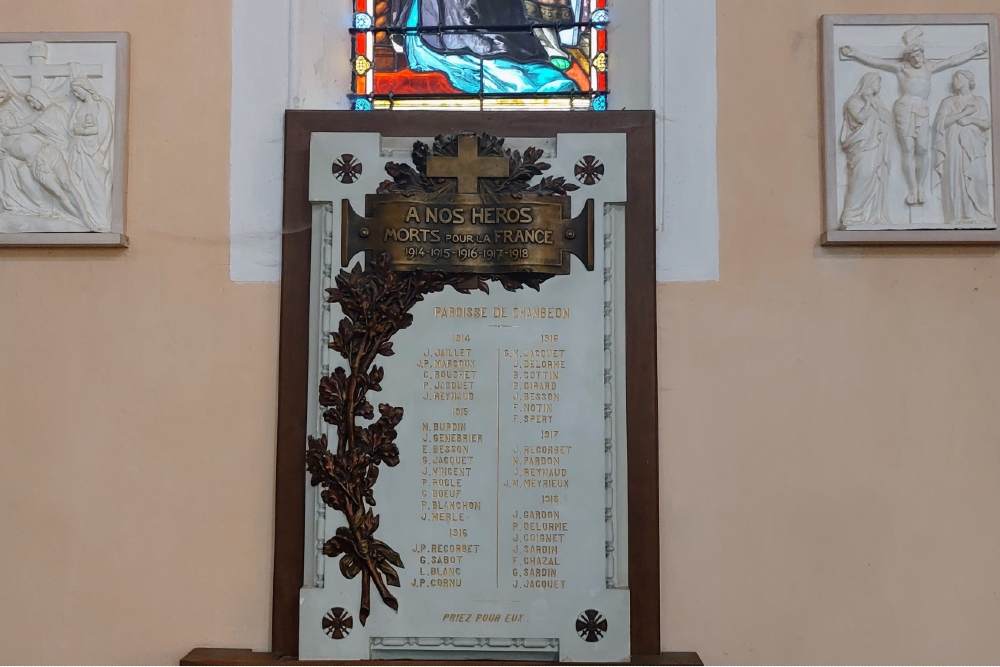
(137, 388)
(830, 464)
(829, 419)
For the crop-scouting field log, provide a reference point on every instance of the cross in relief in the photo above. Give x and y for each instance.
(933, 52)
(468, 167)
(40, 69)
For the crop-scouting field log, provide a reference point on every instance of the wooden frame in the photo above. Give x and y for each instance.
(293, 371)
(833, 234)
(116, 238)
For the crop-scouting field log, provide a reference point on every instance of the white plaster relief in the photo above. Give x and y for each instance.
(923, 160)
(57, 133)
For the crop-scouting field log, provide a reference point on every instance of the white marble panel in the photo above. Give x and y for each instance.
(554, 451)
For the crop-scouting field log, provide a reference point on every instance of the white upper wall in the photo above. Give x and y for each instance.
(684, 94)
(290, 54)
(260, 97)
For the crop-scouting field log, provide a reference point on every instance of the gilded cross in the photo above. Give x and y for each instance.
(468, 167)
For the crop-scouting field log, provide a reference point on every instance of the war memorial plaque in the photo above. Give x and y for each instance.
(467, 419)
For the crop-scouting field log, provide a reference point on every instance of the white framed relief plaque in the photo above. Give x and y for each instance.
(911, 119)
(63, 114)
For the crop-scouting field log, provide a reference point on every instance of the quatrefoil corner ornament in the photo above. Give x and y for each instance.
(589, 170)
(347, 169)
(591, 625)
(338, 623)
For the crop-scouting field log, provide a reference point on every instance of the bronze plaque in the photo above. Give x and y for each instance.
(530, 233)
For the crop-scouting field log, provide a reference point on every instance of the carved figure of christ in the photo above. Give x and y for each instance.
(911, 111)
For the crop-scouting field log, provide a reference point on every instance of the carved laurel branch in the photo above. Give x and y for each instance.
(376, 305)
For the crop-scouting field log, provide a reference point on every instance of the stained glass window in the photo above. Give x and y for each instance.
(480, 54)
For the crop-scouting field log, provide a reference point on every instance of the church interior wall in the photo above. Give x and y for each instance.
(828, 426)
(139, 386)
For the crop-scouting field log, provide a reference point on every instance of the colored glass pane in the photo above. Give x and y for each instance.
(363, 21)
(601, 62)
(362, 65)
(539, 54)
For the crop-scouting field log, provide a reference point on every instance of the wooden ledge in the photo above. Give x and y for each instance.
(890, 237)
(55, 240)
(218, 657)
